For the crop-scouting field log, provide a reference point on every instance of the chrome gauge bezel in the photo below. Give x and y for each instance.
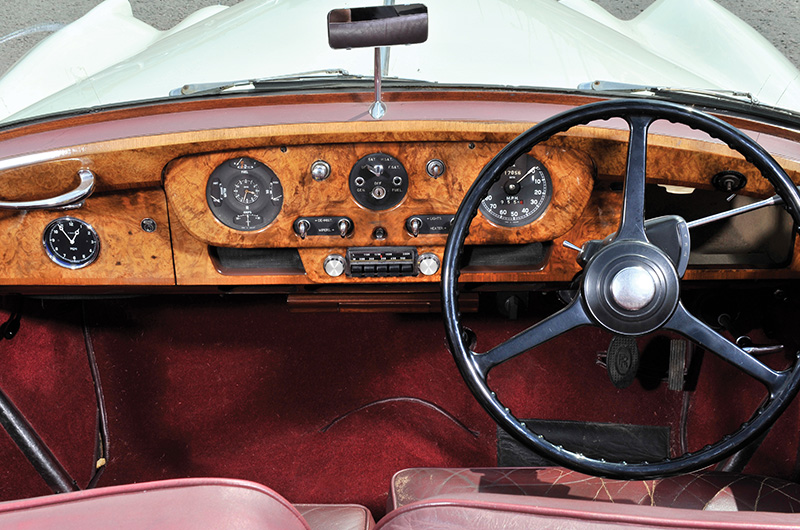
(223, 194)
(59, 260)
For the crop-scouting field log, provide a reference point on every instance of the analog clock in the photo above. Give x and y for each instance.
(71, 242)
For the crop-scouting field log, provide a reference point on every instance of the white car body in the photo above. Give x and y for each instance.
(108, 56)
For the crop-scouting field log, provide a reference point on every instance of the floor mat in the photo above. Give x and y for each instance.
(615, 442)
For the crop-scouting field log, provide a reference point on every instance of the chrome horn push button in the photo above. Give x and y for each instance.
(631, 287)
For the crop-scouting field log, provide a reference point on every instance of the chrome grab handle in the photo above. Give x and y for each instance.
(84, 189)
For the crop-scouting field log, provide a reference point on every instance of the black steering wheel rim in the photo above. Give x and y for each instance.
(781, 391)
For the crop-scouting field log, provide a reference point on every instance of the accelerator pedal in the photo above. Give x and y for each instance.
(677, 364)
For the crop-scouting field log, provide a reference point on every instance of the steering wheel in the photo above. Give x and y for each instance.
(629, 286)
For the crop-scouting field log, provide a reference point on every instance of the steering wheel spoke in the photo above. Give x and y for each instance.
(692, 328)
(630, 284)
(632, 224)
(572, 316)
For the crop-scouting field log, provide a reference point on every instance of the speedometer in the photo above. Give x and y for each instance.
(520, 196)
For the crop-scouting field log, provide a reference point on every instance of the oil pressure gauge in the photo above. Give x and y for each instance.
(244, 194)
(71, 243)
(520, 196)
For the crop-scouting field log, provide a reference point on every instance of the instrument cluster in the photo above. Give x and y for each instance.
(331, 212)
(246, 195)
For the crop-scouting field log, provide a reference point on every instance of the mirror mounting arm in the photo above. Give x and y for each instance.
(378, 108)
(378, 26)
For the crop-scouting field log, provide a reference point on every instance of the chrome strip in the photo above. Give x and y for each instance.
(84, 189)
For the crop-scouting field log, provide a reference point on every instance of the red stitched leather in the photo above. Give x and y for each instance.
(705, 490)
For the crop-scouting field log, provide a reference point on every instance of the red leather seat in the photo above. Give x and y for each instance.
(705, 490)
(182, 503)
(558, 498)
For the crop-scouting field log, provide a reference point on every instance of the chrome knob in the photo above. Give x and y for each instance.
(413, 225)
(434, 168)
(344, 226)
(633, 288)
(320, 170)
(301, 228)
(334, 265)
(428, 264)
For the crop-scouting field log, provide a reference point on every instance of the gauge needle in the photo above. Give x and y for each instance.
(530, 172)
(74, 235)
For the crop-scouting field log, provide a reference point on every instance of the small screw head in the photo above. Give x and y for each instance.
(149, 225)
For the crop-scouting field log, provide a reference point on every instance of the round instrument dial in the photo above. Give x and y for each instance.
(378, 181)
(244, 194)
(520, 196)
(246, 190)
(71, 243)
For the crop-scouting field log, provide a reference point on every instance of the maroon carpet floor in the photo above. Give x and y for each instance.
(320, 407)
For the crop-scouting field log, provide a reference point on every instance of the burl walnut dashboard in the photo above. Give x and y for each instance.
(308, 190)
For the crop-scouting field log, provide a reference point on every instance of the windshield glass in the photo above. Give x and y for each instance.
(66, 56)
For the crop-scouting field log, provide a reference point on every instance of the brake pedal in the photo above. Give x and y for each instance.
(622, 360)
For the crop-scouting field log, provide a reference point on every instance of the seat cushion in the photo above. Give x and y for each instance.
(705, 490)
(336, 516)
(174, 504)
(513, 512)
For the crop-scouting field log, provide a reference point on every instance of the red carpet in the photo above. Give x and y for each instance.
(239, 387)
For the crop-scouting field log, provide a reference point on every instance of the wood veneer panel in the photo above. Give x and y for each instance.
(186, 180)
(128, 255)
(193, 265)
(139, 162)
(134, 161)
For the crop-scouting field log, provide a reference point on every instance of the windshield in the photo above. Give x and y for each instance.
(90, 54)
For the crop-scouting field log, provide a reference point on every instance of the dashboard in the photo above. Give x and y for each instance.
(307, 190)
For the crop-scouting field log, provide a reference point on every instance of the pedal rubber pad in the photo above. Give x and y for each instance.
(622, 360)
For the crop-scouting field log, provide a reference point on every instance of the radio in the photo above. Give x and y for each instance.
(381, 262)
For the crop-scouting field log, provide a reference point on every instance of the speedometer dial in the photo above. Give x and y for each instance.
(520, 196)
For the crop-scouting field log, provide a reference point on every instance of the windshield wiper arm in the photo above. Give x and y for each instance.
(316, 78)
(220, 86)
(630, 88)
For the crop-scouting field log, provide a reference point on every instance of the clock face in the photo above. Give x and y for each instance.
(71, 243)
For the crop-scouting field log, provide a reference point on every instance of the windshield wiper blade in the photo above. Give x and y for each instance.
(316, 78)
(630, 88)
(216, 87)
